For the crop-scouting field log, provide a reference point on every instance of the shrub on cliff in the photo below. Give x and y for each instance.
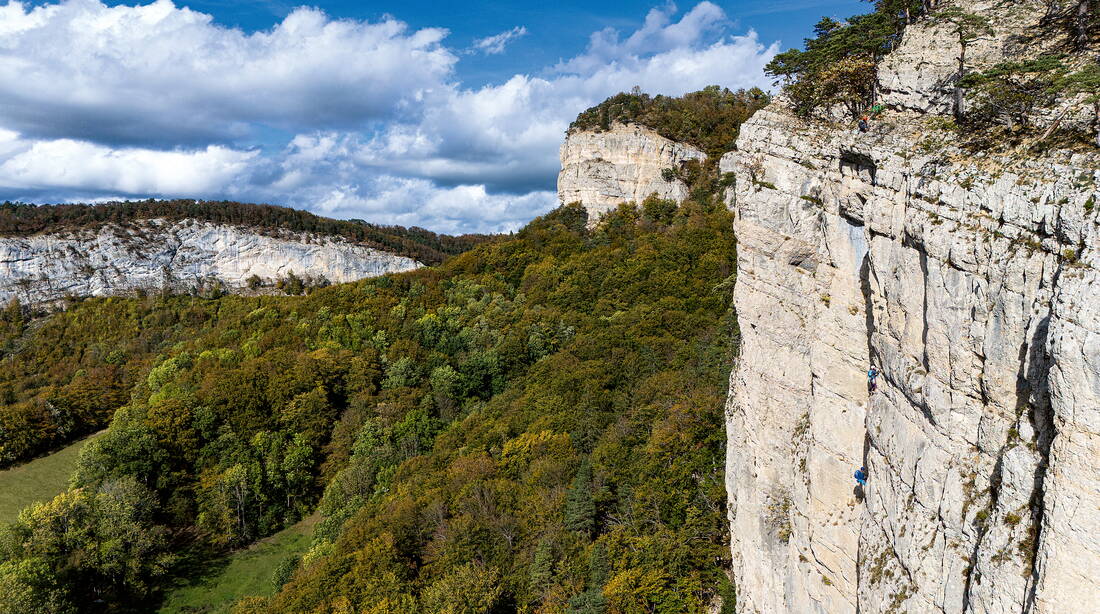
(1011, 95)
(1076, 20)
(1085, 85)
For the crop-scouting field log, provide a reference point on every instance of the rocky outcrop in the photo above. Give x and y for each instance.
(602, 170)
(155, 254)
(973, 282)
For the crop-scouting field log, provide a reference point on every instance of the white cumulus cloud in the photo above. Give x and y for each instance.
(161, 74)
(343, 117)
(658, 34)
(492, 45)
(66, 164)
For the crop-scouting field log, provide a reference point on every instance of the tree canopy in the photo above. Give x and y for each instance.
(534, 425)
(838, 64)
(708, 119)
(18, 219)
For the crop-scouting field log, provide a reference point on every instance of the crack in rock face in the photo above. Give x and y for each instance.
(981, 440)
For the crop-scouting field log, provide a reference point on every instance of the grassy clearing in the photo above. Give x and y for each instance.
(41, 479)
(242, 574)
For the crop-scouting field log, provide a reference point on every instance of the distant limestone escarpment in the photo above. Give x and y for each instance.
(971, 279)
(177, 255)
(627, 162)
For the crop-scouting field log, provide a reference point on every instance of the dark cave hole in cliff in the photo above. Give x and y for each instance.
(855, 164)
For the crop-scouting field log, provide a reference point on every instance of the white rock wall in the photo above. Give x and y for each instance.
(921, 74)
(979, 300)
(602, 170)
(155, 254)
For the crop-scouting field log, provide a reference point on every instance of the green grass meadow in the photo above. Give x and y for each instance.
(41, 479)
(241, 574)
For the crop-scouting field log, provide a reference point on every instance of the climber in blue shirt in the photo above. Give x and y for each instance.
(872, 376)
(861, 476)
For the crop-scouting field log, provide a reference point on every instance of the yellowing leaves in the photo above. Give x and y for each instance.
(521, 451)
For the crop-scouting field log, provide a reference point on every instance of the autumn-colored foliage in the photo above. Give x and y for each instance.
(18, 219)
(708, 119)
(536, 425)
(556, 396)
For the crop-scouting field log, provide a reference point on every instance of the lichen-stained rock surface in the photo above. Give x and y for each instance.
(972, 280)
(973, 285)
(155, 254)
(604, 169)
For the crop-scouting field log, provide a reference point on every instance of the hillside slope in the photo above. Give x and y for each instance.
(65, 374)
(536, 424)
(39, 480)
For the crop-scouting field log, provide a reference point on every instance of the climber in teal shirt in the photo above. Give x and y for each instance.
(861, 476)
(872, 376)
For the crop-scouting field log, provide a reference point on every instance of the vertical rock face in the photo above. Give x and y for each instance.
(153, 254)
(601, 170)
(973, 282)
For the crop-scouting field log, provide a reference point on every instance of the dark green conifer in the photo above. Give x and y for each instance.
(580, 506)
(542, 568)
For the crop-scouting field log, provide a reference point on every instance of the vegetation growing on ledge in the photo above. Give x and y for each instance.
(995, 106)
(708, 119)
(838, 65)
(18, 219)
(536, 425)
(1004, 100)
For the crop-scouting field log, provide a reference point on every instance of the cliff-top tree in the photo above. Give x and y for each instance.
(968, 28)
(1085, 81)
(837, 66)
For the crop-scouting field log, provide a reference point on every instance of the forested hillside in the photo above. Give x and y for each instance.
(63, 376)
(18, 219)
(534, 426)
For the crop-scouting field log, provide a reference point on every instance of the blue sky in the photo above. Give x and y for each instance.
(555, 30)
(447, 116)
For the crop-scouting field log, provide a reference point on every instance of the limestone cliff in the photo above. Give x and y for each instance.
(155, 254)
(972, 281)
(604, 169)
